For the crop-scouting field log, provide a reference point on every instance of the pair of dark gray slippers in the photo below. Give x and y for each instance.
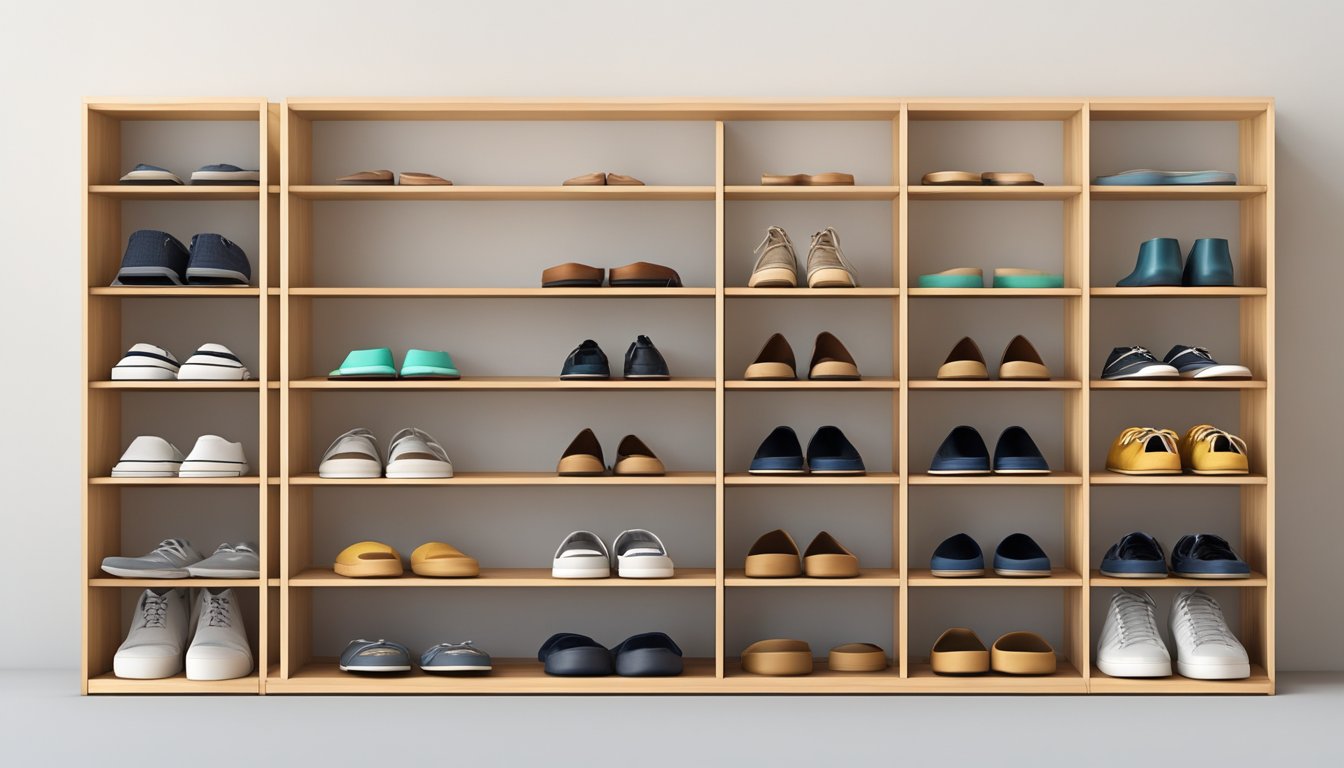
(651, 654)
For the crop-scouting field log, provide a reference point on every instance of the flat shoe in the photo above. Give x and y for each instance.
(642, 274)
(595, 179)
(651, 654)
(417, 179)
(583, 457)
(428, 364)
(780, 453)
(383, 177)
(951, 179)
(368, 559)
(366, 364)
(827, 558)
(957, 277)
(1009, 179)
(777, 658)
(572, 275)
(831, 361)
(1016, 277)
(376, 656)
(1022, 653)
(567, 654)
(621, 180)
(964, 363)
(958, 651)
(857, 657)
(635, 458)
(774, 363)
(1021, 361)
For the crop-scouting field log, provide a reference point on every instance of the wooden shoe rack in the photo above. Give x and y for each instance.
(281, 504)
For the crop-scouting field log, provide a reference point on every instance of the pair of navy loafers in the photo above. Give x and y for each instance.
(651, 654)
(829, 452)
(959, 556)
(963, 452)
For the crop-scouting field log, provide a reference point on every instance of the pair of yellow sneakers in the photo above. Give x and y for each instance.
(1205, 450)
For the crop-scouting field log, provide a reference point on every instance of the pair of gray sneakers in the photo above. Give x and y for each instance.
(177, 559)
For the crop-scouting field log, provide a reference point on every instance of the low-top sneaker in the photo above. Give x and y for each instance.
(1135, 363)
(219, 649)
(1207, 556)
(826, 263)
(586, 361)
(1198, 363)
(224, 173)
(229, 561)
(1144, 451)
(1206, 649)
(213, 456)
(414, 453)
(213, 362)
(776, 262)
(153, 257)
(455, 657)
(146, 362)
(1130, 644)
(1208, 450)
(153, 647)
(375, 656)
(644, 361)
(353, 454)
(169, 560)
(1135, 556)
(149, 456)
(218, 261)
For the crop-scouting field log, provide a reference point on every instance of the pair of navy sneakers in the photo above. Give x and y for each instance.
(156, 258)
(1196, 556)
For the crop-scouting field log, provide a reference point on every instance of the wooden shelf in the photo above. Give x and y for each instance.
(996, 293)
(1106, 477)
(513, 479)
(503, 293)
(872, 478)
(868, 577)
(1175, 292)
(513, 383)
(807, 384)
(190, 583)
(750, 192)
(498, 192)
(1065, 680)
(1054, 478)
(742, 292)
(177, 685)
(1066, 192)
(183, 192)
(509, 676)
(176, 292)
(1178, 192)
(1059, 577)
(225, 386)
(1258, 682)
(1009, 384)
(1098, 580)
(502, 577)
(822, 680)
(1198, 385)
(248, 480)
(1167, 109)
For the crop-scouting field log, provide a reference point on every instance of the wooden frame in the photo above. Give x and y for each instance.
(285, 296)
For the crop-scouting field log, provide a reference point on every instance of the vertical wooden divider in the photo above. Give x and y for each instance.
(1077, 403)
(719, 423)
(900, 535)
(265, 253)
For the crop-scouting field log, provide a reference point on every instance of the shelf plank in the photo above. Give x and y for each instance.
(811, 293)
(1178, 384)
(1176, 109)
(1054, 478)
(1174, 291)
(995, 384)
(1066, 679)
(868, 577)
(1106, 477)
(1179, 192)
(175, 192)
(242, 481)
(503, 293)
(968, 192)
(995, 293)
(503, 577)
(822, 680)
(515, 383)
(498, 192)
(1256, 579)
(166, 292)
(1059, 577)
(227, 386)
(887, 383)
(250, 110)
(176, 685)
(993, 109)
(118, 582)
(508, 676)
(1258, 682)
(754, 192)
(594, 109)
(872, 478)
(513, 478)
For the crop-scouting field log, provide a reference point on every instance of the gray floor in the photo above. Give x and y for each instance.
(46, 723)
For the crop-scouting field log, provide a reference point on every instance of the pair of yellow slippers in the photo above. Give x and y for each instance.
(1204, 450)
(374, 559)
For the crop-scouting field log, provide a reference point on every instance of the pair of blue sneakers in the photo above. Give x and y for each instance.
(156, 258)
(963, 452)
(829, 452)
(1017, 555)
(1209, 263)
(1196, 556)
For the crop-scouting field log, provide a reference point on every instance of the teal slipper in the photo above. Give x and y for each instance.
(960, 277)
(366, 364)
(424, 364)
(1026, 278)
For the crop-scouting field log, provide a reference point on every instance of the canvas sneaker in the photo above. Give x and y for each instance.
(213, 362)
(152, 257)
(776, 262)
(1206, 649)
(1198, 363)
(1136, 363)
(216, 260)
(146, 362)
(153, 648)
(146, 174)
(213, 456)
(826, 263)
(219, 650)
(169, 560)
(1131, 644)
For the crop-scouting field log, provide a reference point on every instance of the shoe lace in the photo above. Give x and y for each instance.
(1140, 351)
(1135, 620)
(171, 547)
(218, 611)
(465, 645)
(1205, 619)
(408, 432)
(827, 243)
(775, 238)
(1144, 434)
(1210, 435)
(154, 612)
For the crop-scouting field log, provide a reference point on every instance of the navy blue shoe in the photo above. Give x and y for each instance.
(1019, 555)
(224, 173)
(1207, 556)
(780, 454)
(829, 452)
(1159, 263)
(651, 654)
(957, 557)
(1197, 363)
(569, 655)
(644, 361)
(147, 174)
(963, 452)
(1208, 263)
(1136, 363)
(1135, 556)
(217, 260)
(1017, 454)
(586, 361)
(153, 258)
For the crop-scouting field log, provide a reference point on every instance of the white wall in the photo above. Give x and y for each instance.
(55, 55)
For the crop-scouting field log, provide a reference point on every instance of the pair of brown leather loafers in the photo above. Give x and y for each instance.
(1020, 361)
(583, 458)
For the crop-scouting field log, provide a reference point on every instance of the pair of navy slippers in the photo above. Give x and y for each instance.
(1196, 556)
(963, 452)
(651, 654)
(829, 452)
(1017, 555)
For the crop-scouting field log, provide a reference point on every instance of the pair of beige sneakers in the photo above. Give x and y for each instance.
(777, 262)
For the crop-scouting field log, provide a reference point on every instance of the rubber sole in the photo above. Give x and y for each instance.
(1150, 372)
(635, 282)
(580, 662)
(777, 277)
(221, 573)
(831, 278)
(168, 469)
(211, 472)
(153, 573)
(581, 283)
(1016, 574)
(375, 670)
(448, 568)
(218, 669)
(585, 376)
(457, 669)
(783, 658)
(1144, 471)
(195, 372)
(146, 669)
(1021, 471)
(960, 472)
(1211, 576)
(373, 569)
(1234, 671)
(773, 566)
(648, 662)
(1220, 472)
(966, 574)
(1120, 575)
(856, 657)
(142, 373)
(1134, 668)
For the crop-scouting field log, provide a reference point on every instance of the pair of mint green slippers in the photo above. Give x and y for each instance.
(1004, 277)
(378, 364)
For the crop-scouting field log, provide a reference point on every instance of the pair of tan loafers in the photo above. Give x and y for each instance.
(830, 179)
(640, 274)
(1020, 361)
(988, 179)
(830, 361)
(583, 458)
(385, 178)
(374, 559)
(958, 651)
(787, 658)
(600, 179)
(775, 556)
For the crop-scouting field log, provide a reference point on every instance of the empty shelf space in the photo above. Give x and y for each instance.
(501, 577)
(1175, 292)
(498, 192)
(1008, 384)
(806, 384)
(868, 577)
(1106, 477)
(177, 685)
(872, 478)
(526, 383)
(1179, 192)
(514, 478)
(355, 292)
(971, 192)
(750, 192)
(1191, 384)
(1258, 682)
(1098, 580)
(507, 676)
(1059, 577)
(1054, 478)
(176, 192)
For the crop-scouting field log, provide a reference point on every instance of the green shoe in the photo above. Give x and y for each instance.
(366, 364)
(1026, 278)
(960, 277)
(424, 364)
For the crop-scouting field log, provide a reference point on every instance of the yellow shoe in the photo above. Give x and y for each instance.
(368, 559)
(435, 558)
(1208, 450)
(1144, 451)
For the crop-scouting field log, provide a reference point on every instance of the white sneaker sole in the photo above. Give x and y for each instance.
(147, 573)
(218, 669)
(477, 668)
(1219, 372)
(571, 572)
(1235, 670)
(146, 669)
(350, 469)
(418, 469)
(359, 668)
(1154, 668)
(149, 469)
(212, 469)
(143, 176)
(1148, 372)
(221, 573)
(209, 176)
(142, 373)
(211, 373)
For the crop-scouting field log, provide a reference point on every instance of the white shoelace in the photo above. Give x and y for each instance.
(361, 432)
(1134, 351)
(463, 647)
(782, 241)
(1135, 619)
(1210, 435)
(1205, 619)
(154, 613)
(1144, 434)
(173, 550)
(218, 611)
(409, 432)
(828, 240)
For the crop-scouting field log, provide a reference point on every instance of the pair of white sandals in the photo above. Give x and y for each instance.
(412, 453)
(152, 456)
(210, 362)
(639, 554)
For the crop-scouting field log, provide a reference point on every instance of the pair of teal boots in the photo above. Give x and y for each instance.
(1209, 263)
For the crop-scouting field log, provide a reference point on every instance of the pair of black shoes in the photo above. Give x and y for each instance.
(589, 362)
(651, 654)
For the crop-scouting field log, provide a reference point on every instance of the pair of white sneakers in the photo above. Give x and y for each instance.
(210, 362)
(1131, 645)
(162, 625)
(212, 456)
